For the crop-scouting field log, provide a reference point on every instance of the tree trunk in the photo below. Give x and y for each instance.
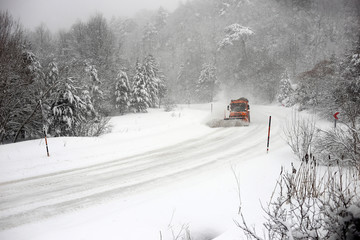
(33, 112)
(26, 121)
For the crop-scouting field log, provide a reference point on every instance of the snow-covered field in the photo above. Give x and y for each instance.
(154, 175)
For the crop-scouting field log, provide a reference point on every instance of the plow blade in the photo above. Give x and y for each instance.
(216, 123)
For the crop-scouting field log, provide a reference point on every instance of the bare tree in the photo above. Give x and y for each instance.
(19, 74)
(300, 133)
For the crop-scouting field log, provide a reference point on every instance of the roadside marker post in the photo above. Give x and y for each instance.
(268, 139)
(336, 118)
(47, 148)
(44, 129)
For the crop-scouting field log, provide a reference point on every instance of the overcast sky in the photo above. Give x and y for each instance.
(61, 14)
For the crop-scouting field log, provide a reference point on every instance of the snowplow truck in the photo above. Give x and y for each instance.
(239, 110)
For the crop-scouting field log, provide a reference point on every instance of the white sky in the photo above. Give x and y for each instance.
(61, 14)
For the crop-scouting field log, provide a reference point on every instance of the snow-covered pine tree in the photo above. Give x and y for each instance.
(140, 96)
(96, 94)
(90, 110)
(68, 110)
(285, 91)
(32, 67)
(207, 83)
(53, 73)
(52, 78)
(152, 80)
(122, 92)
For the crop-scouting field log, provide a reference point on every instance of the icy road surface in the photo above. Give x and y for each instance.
(143, 153)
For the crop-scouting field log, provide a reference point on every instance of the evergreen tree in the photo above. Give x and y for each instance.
(68, 110)
(52, 79)
(122, 92)
(53, 73)
(140, 97)
(89, 110)
(94, 90)
(315, 86)
(285, 92)
(207, 83)
(152, 80)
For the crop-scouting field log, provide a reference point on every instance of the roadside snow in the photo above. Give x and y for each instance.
(131, 134)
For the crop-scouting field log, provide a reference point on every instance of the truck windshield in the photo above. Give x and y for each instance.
(238, 107)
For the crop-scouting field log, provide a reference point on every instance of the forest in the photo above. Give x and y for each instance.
(68, 83)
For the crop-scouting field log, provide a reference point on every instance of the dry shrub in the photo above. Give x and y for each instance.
(313, 202)
(300, 133)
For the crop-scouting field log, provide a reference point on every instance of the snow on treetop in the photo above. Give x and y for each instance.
(235, 32)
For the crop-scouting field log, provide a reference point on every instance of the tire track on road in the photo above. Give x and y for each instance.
(32, 199)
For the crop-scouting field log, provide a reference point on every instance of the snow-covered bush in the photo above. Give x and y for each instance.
(95, 127)
(169, 104)
(312, 202)
(338, 145)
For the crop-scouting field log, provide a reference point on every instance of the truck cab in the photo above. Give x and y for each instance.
(239, 109)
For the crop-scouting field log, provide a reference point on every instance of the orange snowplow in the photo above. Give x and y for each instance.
(239, 110)
(239, 115)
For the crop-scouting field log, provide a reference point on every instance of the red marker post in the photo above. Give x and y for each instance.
(44, 129)
(268, 139)
(47, 148)
(336, 118)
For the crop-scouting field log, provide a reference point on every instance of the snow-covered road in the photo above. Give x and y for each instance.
(177, 148)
